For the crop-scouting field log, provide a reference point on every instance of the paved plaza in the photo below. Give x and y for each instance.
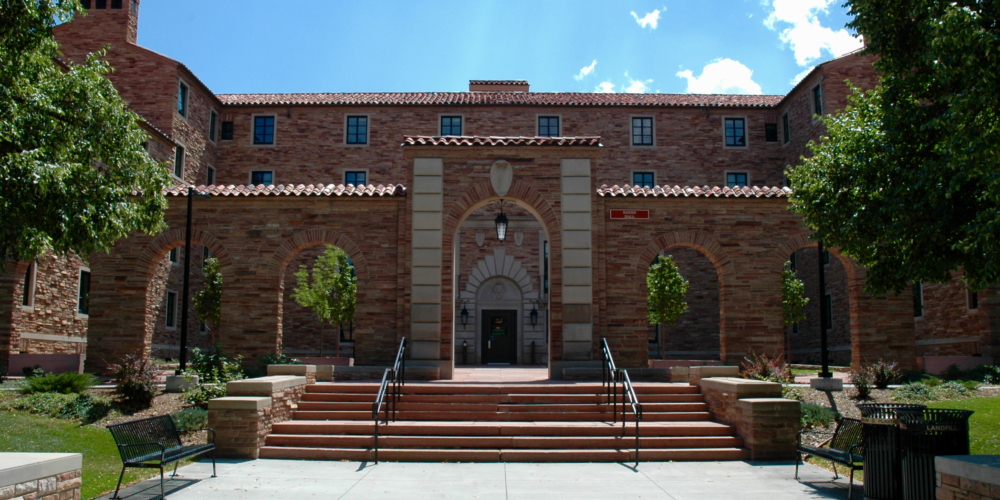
(488, 481)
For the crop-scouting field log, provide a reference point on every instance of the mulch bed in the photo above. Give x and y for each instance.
(163, 404)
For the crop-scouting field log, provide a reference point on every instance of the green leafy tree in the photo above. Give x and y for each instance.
(667, 289)
(208, 300)
(330, 290)
(74, 176)
(793, 296)
(906, 180)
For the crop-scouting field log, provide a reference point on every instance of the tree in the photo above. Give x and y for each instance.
(331, 289)
(793, 296)
(906, 180)
(667, 289)
(208, 300)
(74, 176)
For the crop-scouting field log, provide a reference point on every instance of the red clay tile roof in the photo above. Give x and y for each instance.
(498, 82)
(696, 192)
(291, 190)
(502, 99)
(421, 140)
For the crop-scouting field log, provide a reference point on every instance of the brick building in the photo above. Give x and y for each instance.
(409, 185)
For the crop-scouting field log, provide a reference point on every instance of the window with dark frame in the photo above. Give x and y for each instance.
(212, 118)
(29, 286)
(263, 130)
(545, 272)
(451, 125)
(548, 126)
(736, 179)
(205, 255)
(347, 332)
(182, 98)
(227, 131)
(828, 313)
(261, 177)
(643, 179)
(356, 178)
(357, 130)
(786, 134)
(973, 299)
(102, 4)
(818, 100)
(171, 321)
(791, 262)
(85, 4)
(134, 6)
(826, 257)
(210, 177)
(736, 135)
(83, 294)
(918, 299)
(201, 327)
(116, 4)
(642, 131)
(179, 162)
(771, 132)
(172, 255)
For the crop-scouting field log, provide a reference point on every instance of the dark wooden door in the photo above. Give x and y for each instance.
(500, 337)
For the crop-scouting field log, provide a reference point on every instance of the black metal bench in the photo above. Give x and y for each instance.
(845, 448)
(152, 443)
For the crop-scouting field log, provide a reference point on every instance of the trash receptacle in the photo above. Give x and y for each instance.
(925, 434)
(883, 467)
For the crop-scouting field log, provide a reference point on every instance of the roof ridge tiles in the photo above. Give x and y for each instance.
(294, 190)
(695, 191)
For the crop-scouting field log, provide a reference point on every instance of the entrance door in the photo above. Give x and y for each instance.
(500, 337)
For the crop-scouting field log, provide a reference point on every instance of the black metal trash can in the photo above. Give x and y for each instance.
(883, 465)
(925, 434)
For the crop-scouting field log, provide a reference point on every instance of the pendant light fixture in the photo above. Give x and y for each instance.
(501, 222)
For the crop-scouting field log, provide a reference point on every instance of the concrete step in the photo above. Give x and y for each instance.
(505, 454)
(500, 416)
(503, 408)
(440, 388)
(399, 428)
(503, 399)
(481, 442)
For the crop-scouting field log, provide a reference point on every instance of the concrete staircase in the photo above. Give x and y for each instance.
(493, 422)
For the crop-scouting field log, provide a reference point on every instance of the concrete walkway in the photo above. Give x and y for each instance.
(487, 481)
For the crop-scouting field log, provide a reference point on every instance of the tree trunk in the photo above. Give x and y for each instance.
(338, 338)
(322, 329)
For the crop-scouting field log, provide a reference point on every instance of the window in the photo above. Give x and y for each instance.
(227, 131)
(736, 135)
(261, 177)
(347, 332)
(736, 179)
(548, 126)
(171, 310)
(212, 118)
(263, 130)
(182, 100)
(787, 134)
(791, 262)
(83, 295)
(644, 179)
(973, 297)
(174, 252)
(357, 130)
(201, 327)
(179, 162)
(451, 125)
(356, 178)
(642, 131)
(545, 272)
(210, 176)
(205, 255)
(116, 4)
(795, 328)
(102, 4)
(85, 4)
(827, 312)
(771, 132)
(28, 301)
(826, 257)
(134, 6)
(918, 300)
(818, 100)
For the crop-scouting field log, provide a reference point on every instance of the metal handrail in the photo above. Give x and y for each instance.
(611, 377)
(397, 377)
(608, 380)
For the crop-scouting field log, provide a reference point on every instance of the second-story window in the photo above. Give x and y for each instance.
(643, 179)
(210, 176)
(818, 100)
(263, 130)
(356, 178)
(171, 310)
(642, 131)
(357, 130)
(227, 131)
(212, 118)
(736, 179)
(182, 100)
(771, 132)
(786, 134)
(548, 126)
(83, 293)
(179, 162)
(28, 297)
(736, 134)
(261, 177)
(451, 125)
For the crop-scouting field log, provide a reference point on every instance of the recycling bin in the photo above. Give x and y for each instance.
(883, 465)
(923, 435)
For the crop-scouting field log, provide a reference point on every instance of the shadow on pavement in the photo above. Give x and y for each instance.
(150, 488)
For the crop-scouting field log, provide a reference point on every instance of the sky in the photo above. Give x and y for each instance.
(667, 46)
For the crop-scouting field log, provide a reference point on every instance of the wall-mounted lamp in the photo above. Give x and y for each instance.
(501, 222)
(464, 314)
(534, 314)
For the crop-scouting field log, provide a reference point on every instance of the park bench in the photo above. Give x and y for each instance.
(153, 443)
(845, 448)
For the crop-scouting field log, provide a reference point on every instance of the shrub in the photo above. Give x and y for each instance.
(277, 358)
(213, 369)
(86, 408)
(136, 378)
(190, 419)
(922, 393)
(200, 394)
(817, 416)
(63, 383)
(862, 380)
(792, 392)
(32, 371)
(884, 373)
(762, 367)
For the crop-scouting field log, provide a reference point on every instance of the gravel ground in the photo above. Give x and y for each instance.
(163, 404)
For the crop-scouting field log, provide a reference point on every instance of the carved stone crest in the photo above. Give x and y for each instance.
(480, 237)
(518, 238)
(498, 291)
(501, 175)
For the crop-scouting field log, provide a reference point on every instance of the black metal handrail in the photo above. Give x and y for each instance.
(611, 377)
(397, 377)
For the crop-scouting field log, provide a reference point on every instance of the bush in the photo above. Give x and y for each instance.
(136, 378)
(792, 392)
(190, 419)
(987, 374)
(761, 367)
(862, 380)
(884, 373)
(86, 408)
(817, 416)
(213, 369)
(260, 367)
(32, 371)
(922, 392)
(63, 383)
(199, 395)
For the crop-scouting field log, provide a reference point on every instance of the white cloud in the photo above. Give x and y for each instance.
(605, 88)
(724, 76)
(797, 24)
(586, 70)
(649, 20)
(798, 78)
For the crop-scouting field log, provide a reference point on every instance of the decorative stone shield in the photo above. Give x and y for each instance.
(480, 237)
(518, 238)
(501, 175)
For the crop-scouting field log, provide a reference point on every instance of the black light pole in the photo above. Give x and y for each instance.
(824, 352)
(187, 278)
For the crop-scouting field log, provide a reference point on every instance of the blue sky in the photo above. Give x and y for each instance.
(677, 46)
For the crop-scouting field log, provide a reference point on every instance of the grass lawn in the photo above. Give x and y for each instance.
(101, 463)
(984, 425)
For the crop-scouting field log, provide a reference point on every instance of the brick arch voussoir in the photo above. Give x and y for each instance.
(312, 237)
(703, 243)
(802, 240)
(164, 242)
(518, 190)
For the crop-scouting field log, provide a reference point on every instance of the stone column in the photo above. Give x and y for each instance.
(577, 272)
(425, 286)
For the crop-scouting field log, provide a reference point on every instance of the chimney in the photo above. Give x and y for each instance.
(106, 22)
(498, 85)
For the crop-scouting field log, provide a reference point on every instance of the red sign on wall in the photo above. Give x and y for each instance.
(618, 213)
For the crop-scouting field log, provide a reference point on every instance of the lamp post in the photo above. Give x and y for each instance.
(823, 312)
(501, 222)
(192, 192)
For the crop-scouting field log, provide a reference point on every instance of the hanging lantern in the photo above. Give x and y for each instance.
(501, 222)
(465, 315)
(534, 315)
